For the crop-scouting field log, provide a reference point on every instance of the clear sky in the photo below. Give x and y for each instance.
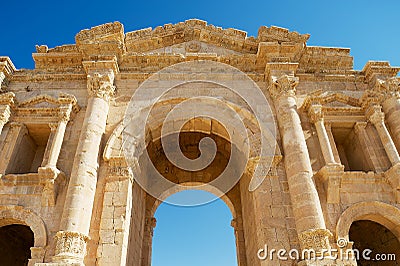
(202, 235)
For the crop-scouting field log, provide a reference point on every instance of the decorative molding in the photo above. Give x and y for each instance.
(327, 100)
(46, 109)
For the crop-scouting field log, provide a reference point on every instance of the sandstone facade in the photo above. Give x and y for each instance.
(63, 174)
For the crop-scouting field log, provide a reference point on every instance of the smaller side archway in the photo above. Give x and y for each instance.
(375, 211)
(18, 216)
(371, 226)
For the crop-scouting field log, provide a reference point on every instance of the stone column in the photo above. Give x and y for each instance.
(307, 209)
(391, 106)
(317, 118)
(77, 213)
(14, 136)
(367, 147)
(377, 117)
(54, 143)
(149, 225)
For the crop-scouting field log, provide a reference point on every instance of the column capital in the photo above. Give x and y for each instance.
(315, 239)
(100, 84)
(150, 224)
(283, 86)
(70, 246)
(360, 126)
(375, 115)
(315, 113)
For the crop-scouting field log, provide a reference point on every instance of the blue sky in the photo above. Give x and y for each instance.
(369, 28)
(202, 235)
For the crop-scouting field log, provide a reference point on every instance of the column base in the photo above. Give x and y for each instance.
(50, 178)
(331, 175)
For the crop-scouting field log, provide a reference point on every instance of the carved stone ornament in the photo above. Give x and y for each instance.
(375, 114)
(70, 246)
(100, 84)
(193, 47)
(389, 88)
(284, 86)
(316, 239)
(315, 113)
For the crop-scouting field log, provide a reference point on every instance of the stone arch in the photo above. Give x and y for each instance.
(379, 212)
(228, 201)
(114, 147)
(19, 215)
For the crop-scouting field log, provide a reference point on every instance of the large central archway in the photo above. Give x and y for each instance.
(189, 145)
(200, 235)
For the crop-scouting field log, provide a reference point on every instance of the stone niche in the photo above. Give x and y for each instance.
(32, 141)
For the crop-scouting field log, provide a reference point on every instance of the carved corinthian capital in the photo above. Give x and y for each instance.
(101, 84)
(70, 246)
(316, 239)
(283, 86)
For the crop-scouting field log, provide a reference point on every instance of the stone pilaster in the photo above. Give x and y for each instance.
(390, 90)
(237, 224)
(149, 225)
(317, 118)
(79, 200)
(305, 200)
(377, 118)
(367, 147)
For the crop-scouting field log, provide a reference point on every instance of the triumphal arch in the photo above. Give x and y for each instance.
(302, 148)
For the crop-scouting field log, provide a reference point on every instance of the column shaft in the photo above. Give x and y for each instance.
(54, 144)
(377, 118)
(82, 184)
(391, 108)
(306, 205)
(324, 142)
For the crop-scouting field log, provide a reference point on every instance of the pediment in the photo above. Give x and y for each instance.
(332, 100)
(42, 101)
(193, 47)
(47, 101)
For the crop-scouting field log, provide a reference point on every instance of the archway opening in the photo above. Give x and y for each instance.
(15, 243)
(373, 236)
(198, 235)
